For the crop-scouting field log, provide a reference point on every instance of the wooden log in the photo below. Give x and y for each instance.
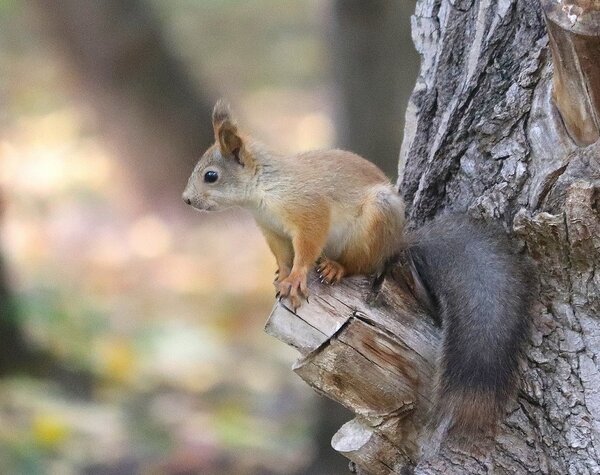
(364, 446)
(374, 353)
(574, 34)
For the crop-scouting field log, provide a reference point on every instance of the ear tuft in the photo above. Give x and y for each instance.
(221, 113)
(226, 133)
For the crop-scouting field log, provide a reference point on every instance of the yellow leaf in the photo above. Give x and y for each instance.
(49, 430)
(117, 360)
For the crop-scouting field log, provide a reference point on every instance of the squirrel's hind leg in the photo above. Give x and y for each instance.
(376, 234)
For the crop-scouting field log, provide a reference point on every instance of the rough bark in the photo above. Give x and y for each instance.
(483, 137)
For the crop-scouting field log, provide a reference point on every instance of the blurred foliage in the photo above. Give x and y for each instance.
(246, 46)
(165, 313)
(153, 320)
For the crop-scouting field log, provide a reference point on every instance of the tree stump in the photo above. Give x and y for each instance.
(373, 352)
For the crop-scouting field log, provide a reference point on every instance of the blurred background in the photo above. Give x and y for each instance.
(131, 327)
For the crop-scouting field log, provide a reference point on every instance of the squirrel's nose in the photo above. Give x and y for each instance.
(186, 199)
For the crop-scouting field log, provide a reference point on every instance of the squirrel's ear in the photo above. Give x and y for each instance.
(226, 134)
(221, 113)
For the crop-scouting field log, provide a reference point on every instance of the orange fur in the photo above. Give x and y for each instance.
(327, 203)
(283, 251)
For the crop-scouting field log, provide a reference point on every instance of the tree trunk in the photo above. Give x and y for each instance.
(483, 137)
(15, 354)
(374, 67)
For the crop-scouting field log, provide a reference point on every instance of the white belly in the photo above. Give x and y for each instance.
(272, 222)
(341, 231)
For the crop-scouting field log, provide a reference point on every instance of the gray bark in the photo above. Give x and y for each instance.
(483, 137)
(486, 139)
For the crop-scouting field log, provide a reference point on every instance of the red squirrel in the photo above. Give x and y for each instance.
(338, 212)
(328, 205)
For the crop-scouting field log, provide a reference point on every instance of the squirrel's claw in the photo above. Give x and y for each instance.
(294, 289)
(331, 272)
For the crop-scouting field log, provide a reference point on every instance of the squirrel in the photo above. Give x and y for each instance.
(339, 212)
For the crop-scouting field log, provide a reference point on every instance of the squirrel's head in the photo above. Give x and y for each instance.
(223, 175)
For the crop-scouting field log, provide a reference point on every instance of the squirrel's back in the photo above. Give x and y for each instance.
(481, 293)
(337, 174)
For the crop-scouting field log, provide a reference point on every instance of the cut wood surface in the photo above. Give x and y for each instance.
(574, 34)
(374, 353)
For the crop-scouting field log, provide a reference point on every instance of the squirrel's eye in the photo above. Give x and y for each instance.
(211, 176)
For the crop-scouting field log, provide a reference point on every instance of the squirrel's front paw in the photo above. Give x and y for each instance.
(330, 271)
(294, 288)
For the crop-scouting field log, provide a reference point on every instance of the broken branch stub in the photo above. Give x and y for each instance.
(372, 353)
(574, 34)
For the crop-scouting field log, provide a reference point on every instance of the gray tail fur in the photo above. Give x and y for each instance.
(481, 293)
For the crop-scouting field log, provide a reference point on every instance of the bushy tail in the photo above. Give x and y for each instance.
(481, 293)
